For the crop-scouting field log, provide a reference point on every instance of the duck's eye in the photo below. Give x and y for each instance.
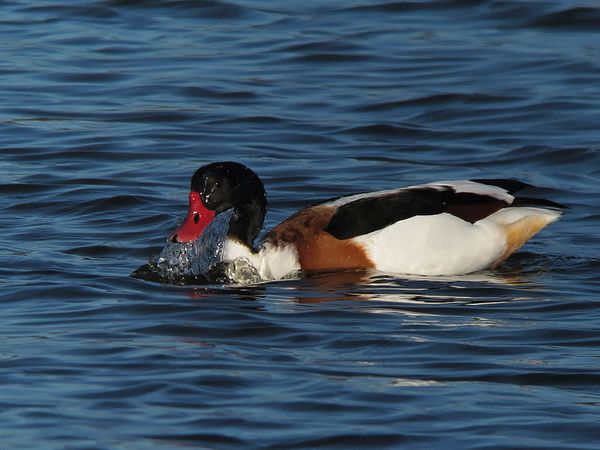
(196, 217)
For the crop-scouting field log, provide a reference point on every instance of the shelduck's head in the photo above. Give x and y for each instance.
(219, 187)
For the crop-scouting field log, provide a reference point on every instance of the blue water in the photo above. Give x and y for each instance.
(108, 107)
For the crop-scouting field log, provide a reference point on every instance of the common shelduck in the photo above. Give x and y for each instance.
(442, 228)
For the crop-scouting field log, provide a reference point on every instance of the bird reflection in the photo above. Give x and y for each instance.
(501, 285)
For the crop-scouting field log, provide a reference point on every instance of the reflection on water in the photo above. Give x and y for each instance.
(368, 285)
(486, 287)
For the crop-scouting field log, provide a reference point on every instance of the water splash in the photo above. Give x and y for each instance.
(240, 271)
(199, 261)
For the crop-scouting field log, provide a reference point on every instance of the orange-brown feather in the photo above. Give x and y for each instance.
(519, 232)
(317, 249)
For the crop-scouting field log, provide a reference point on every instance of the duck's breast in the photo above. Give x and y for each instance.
(316, 248)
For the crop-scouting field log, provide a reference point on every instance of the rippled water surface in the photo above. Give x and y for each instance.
(109, 106)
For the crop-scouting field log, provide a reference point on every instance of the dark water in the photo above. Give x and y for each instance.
(107, 109)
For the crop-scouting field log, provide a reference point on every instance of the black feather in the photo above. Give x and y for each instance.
(511, 186)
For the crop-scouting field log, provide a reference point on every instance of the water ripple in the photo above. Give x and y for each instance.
(109, 107)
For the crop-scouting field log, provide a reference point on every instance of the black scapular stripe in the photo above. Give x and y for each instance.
(374, 213)
(537, 203)
(511, 186)
(368, 214)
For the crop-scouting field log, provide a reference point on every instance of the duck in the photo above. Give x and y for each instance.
(433, 229)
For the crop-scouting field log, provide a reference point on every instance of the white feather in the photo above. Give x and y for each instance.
(460, 186)
(444, 244)
(472, 187)
(433, 245)
(507, 216)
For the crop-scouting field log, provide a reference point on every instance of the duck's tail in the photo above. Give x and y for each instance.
(523, 219)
